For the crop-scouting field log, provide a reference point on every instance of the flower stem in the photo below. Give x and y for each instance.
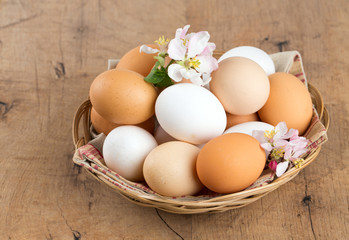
(172, 61)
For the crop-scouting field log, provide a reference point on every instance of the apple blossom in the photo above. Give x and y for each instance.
(282, 146)
(191, 58)
(193, 55)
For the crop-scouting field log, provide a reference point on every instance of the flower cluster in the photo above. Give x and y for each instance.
(191, 58)
(283, 147)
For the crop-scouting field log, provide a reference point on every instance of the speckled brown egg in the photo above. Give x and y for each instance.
(123, 97)
(289, 101)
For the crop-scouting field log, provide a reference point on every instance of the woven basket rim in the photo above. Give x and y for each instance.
(215, 204)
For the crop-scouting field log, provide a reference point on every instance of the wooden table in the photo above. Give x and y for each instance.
(50, 52)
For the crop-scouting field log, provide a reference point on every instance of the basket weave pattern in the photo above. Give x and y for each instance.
(140, 194)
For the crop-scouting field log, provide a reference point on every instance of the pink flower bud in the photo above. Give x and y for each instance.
(272, 165)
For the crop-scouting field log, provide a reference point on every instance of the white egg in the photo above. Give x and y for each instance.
(249, 127)
(190, 113)
(253, 53)
(125, 149)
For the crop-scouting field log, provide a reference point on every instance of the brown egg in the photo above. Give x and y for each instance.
(139, 62)
(241, 85)
(170, 169)
(233, 119)
(101, 125)
(123, 97)
(289, 101)
(230, 163)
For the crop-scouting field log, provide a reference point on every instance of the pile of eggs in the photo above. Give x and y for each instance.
(186, 137)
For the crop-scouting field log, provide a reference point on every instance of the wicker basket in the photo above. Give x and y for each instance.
(189, 205)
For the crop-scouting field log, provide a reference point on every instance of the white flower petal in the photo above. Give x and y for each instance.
(180, 32)
(176, 49)
(207, 64)
(267, 146)
(290, 133)
(197, 43)
(281, 168)
(197, 81)
(259, 135)
(184, 31)
(188, 37)
(148, 50)
(189, 74)
(174, 72)
(206, 78)
(281, 130)
(299, 153)
(288, 153)
(280, 143)
(208, 50)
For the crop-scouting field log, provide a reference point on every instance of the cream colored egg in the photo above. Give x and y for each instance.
(241, 85)
(170, 169)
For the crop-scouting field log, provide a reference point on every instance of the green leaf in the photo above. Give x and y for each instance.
(166, 82)
(153, 70)
(158, 76)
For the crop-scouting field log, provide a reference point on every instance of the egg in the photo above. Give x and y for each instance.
(253, 53)
(190, 113)
(123, 97)
(241, 85)
(170, 169)
(161, 136)
(102, 125)
(233, 119)
(125, 149)
(230, 163)
(289, 101)
(249, 127)
(139, 62)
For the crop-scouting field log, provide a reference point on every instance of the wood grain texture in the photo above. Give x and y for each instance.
(50, 52)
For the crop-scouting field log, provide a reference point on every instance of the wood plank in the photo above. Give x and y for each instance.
(51, 51)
